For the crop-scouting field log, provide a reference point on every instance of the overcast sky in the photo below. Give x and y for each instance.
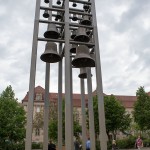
(124, 39)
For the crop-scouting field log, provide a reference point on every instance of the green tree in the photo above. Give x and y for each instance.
(53, 131)
(12, 120)
(142, 109)
(116, 116)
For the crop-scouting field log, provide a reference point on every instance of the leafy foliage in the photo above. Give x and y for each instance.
(142, 109)
(12, 119)
(53, 131)
(116, 116)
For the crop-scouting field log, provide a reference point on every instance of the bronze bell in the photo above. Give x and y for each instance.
(81, 35)
(46, 1)
(74, 18)
(74, 4)
(46, 14)
(85, 7)
(73, 48)
(58, 2)
(83, 73)
(91, 41)
(73, 34)
(93, 56)
(59, 15)
(86, 20)
(83, 58)
(52, 32)
(50, 55)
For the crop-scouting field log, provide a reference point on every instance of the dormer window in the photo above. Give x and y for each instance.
(38, 97)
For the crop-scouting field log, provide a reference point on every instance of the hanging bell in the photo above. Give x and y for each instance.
(81, 35)
(93, 56)
(91, 41)
(74, 4)
(52, 32)
(86, 20)
(83, 58)
(88, 32)
(46, 1)
(58, 2)
(46, 14)
(73, 48)
(85, 7)
(73, 34)
(50, 55)
(83, 73)
(59, 15)
(74, 18)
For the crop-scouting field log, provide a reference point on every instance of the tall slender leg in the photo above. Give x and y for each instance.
(102, 126)
(90, 108)
(83, 114)
(60, 102)
(28, 141)
(46, 107)
(68, 89)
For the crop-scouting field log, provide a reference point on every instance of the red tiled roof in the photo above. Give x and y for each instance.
(127, 101)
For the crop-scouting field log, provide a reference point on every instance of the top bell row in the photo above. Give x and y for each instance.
(74, 4)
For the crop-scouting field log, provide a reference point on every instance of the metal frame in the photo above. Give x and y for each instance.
(67, 25)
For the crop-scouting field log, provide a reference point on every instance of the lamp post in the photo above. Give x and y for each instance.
(84, 40)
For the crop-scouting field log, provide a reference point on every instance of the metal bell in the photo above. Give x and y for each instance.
(46, 14)
(59, 15)
(50, 55)
(74, 18)
(91, 41)
(86, 20)
(83, 73)
(73, 34)
(85, 7)
(58, 2)
(93, 56)
(52, 32)
(73, 48)
(81, 35)
(46, 1)
(83, 58)
(74, 4)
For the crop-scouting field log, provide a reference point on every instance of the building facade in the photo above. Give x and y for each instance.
(37, 135)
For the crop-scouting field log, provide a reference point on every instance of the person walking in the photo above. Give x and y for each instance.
(51, 146)
(114, 147)
(139, 143)
(76, 144)
(88, 144)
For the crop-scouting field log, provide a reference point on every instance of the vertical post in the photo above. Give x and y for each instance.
(46, 98)
(28, 141)
(102, 127)
(68, 89)
(90, 108)
(83, 113)
(46, 107)
(60, 101)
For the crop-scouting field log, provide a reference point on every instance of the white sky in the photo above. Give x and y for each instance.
(124, 33)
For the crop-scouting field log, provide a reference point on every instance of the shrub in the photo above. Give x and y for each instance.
(36, 145)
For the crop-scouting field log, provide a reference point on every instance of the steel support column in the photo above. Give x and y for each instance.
(102, 127)
(90, 109)
(68, 89)
(28, 141)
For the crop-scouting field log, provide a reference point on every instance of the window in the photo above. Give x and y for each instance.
(37, 132)
(38, 97)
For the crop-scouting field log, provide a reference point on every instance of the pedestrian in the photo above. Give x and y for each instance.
(88, 144)
(51, 146)
(76, 144)
(139, 143)
(114, 146)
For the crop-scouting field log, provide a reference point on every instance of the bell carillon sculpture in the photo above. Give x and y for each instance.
(71, 41)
